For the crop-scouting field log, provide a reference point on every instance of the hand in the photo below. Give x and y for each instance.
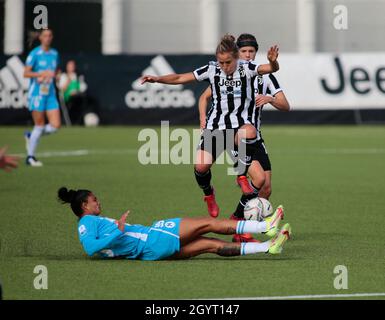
(272, 54)
(122, 220)
(150, 79)
(45, 76)
(7, 162)
(260, 100)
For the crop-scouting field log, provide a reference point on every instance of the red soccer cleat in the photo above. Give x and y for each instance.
(244, 185)
(212, 206)
(246, 237)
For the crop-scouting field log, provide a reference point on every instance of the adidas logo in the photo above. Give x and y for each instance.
(13, 85)
(158, 95)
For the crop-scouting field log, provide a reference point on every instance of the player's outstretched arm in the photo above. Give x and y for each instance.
(203, 102)
(273, 65)
(170, 78)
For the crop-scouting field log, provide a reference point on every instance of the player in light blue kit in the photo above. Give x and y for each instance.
(41, 67)
(170, 238)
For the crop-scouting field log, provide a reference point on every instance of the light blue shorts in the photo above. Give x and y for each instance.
(43, 103)
(162, 241)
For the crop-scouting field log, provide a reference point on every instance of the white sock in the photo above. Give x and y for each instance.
(247, 226)
(34, 139)
(252, 247)
(48, 129)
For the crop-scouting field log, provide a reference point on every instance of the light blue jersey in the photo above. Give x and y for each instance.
(42, 96)
(101, 235)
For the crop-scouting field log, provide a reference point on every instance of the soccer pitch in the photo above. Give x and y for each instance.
(331, 180)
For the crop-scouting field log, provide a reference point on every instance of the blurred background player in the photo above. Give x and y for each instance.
(267, 90)
(41, 67)
(232, 107)
(176, 238)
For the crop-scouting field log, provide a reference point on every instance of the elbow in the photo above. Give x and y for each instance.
(90, 250)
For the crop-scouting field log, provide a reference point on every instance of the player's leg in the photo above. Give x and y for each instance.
(203, 245)
(245, 139)
(34, 137)
(192, 228)
(257, 177)
(257, 172)
(205, 157)
(265, 191)
(53, 116)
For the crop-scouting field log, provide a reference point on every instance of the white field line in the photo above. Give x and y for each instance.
(78, 153)
(311, 296)
(86, 152)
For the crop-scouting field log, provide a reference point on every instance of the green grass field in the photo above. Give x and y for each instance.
(331, 180)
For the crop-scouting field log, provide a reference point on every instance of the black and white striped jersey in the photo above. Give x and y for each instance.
(232, 95)
(265, 85)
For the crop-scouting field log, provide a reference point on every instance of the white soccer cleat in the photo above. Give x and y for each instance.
(33, 162)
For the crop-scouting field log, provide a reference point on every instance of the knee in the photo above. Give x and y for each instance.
(56, 124)
(201, 168)
(248, 131)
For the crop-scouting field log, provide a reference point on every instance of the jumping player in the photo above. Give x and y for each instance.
(267, 90)
(41, 67)
(171, 238)
(230, 117)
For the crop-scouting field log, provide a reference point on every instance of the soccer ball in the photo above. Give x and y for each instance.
(257, 209)
(91, 119)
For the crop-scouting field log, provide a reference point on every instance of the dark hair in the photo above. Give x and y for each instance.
(227, 45)
(247, 39)
(33, 36)
(75, 197)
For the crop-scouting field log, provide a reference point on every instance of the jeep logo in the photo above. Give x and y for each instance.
(230, 83)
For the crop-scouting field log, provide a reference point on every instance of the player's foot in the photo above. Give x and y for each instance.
(27, 135)
(246, 237)
(33, 162)
(273, 222)
(276, 244)
(212, 206)
(244, 184)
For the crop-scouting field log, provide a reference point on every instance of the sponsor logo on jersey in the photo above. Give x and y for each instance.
(158, 95)
(169, 224)
(82, 230)
(230, 83)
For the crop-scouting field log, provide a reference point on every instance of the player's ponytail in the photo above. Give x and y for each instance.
(227, 45)
(75, 197)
